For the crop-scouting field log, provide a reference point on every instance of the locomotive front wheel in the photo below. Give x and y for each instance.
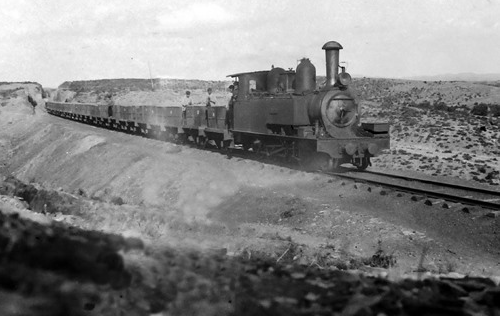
(334, 163)
(361, 163)
(316, 161)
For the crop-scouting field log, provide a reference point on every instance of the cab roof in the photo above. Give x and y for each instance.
(246, 73)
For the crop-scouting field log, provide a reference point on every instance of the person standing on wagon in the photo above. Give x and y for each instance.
(209, 101)
(210, 98)
(185, 102)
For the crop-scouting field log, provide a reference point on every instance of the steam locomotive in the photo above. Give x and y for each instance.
(277, 113)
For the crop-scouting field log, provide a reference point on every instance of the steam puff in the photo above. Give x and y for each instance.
(202, 193)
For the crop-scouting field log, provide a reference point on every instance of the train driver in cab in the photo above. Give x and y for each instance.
(230, 106)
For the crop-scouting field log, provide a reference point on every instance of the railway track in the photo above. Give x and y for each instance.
(457, 193)
(450, 192)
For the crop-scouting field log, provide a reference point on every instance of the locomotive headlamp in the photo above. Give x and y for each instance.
(345, 78)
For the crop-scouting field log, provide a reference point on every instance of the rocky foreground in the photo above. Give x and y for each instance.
(51, 268)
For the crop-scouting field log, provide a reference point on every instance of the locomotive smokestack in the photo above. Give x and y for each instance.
(332, 49)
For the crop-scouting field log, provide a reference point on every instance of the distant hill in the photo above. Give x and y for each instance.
(132, 84)
(168, 92)
(14, 89)
(133, 91)
(458, 77)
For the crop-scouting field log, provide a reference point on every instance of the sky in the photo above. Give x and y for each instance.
(52, 41)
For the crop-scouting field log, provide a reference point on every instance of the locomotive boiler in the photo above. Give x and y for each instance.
(276, 113)
(282, 112)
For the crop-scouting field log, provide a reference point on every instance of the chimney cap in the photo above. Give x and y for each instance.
(332, 45)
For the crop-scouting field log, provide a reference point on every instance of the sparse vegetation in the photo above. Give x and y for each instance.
(381, 258)
(481, 109)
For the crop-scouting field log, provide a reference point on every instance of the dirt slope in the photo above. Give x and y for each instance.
(180, 195)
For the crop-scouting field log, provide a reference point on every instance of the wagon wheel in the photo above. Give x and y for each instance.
(288, 153)
(292, 153)
(246, 146)
(181, 138)
(288, 156)
(267, 153)
(164, 136)
(156, 134)
(226, 146)
(201, 141)
(256, 147)
(220, 144)
(211, 143)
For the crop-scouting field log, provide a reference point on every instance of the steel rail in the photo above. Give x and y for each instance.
(427, 193)
(438, 183)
